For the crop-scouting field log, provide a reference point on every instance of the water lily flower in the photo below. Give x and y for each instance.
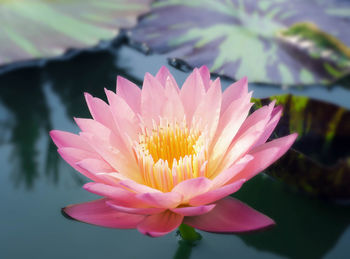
(162, 156)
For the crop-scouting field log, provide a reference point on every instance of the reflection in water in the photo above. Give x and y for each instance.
(184, 250)
(22, 93)
(305, 227)
(88, 72)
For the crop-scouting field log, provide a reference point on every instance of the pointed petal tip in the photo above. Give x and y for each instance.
(87, 95)
(290, 139)
(147, 75)
(52, 132)
(65, 214)
(277, 109)
(205, 72)
(273, 102)
(243, 80)
(107, 91)
(66, 139)
(163, 69)
(53, 135)
(120, 80)
(88, 185)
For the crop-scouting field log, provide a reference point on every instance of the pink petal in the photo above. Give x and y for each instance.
(271, 125)
(74, 155)
(160, 224)
(137, 187)
(124, 117)
(107, 142)
(191, 93)
(153, 100)
(193, 211)
(232, 216)
(100, 111)
(264, 155)
(229, 124)
(173, 109)
(160, 199)
(165, 77)
(234, 92)
(99, 130)
(205, 74)
(121, 163)
(216, 194)
(192, 187)
(95, 165)
(93, 127)
(102, 132)
(262, 114)
(242, 144)
(135, 210)
(207, 113)
(130, 92)
(67, 139)
(98, 213)
(112, 179)
(119, 195)
(226, 175)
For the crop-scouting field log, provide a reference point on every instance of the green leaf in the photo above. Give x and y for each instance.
(46, 28)
(271, 41)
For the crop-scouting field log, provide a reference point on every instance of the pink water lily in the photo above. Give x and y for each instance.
(162, 156)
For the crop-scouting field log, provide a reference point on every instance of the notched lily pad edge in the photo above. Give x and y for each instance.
(183, 66)
(67, 55)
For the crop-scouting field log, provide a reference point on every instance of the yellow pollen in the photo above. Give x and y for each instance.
(170, 153)
(169, 143)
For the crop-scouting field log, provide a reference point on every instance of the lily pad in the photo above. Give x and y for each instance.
(319, 162)
(46, 28)
(271, 41)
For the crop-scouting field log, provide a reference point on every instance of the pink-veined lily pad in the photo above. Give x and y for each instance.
(271, 41)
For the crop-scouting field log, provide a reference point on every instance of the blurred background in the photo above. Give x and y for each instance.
(297, 52)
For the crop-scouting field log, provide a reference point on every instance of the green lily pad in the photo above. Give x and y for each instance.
(271, 41)
(46, 28)
(319, 162)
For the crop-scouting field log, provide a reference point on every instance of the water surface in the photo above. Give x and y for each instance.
(36, 183)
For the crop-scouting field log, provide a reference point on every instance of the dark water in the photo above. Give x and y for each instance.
(35, 183)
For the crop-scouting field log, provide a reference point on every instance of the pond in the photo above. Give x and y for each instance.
(36, 183)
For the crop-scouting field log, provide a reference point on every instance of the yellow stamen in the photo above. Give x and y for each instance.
(170, 153)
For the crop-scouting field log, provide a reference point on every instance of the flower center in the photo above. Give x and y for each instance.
(169, 143)
(170, 153)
